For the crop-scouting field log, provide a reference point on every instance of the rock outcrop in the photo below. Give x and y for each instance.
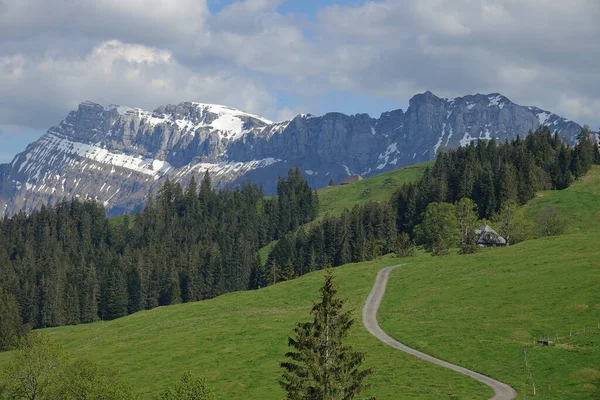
(119, 155)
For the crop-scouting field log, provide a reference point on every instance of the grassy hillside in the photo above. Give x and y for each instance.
(479, 311)
(334, 199)
(580, 202)
(482, 311)
(237, 340)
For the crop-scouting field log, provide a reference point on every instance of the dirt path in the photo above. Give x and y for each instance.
(502, 391)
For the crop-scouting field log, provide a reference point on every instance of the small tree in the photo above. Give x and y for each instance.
(404, 246)
(289, 272)
(512, 224)
(550, 222)
(466, 216)
(33, 368)
(439, 230)
(190, 387)
(84, 379)
(321, 366)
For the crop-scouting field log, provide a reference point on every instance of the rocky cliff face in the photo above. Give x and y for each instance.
(118, 155)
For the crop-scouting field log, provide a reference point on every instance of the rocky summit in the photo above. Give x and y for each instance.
(119, 155)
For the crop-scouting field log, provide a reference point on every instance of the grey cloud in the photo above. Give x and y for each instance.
(56, 54)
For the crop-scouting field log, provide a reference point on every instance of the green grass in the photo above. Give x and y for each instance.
(482, 311)
(335, 199)
(264, 252)
(580, 203)
(237, 340)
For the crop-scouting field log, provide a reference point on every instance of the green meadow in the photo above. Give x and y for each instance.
(480, 311)
(335, 199)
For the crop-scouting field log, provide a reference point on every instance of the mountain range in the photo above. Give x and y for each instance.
(119, 155)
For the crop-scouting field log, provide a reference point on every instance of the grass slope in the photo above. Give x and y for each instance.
(482, 311)
(335, 199)
(237, 340)
(580, 202)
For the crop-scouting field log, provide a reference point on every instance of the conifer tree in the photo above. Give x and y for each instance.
(466, 216)
(320, 365)
(289, 272)
(584, 152)
(404, 246)
(10, 320)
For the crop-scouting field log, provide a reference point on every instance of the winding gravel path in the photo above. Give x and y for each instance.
(502, 391)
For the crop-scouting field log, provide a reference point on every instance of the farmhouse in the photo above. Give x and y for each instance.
(487, 237)
(351, 179)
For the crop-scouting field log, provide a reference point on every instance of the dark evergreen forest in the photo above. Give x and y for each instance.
(70, 264)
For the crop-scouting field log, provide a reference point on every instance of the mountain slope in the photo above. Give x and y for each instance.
(118, 155)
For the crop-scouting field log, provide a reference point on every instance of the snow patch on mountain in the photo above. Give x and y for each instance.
(544, 116)
(217, 170)
(53, 147)
(229, 122)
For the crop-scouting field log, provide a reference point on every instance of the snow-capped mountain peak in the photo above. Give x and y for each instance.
(119, 155)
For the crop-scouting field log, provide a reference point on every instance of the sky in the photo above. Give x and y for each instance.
(278, 58)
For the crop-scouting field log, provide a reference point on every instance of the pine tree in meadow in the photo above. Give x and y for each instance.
(320, 365)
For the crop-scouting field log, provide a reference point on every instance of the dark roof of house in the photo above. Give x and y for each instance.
(351, 179)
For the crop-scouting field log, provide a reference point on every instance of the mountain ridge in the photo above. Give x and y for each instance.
(118, 155)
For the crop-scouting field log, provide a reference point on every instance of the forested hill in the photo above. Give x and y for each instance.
(491, 179)
(67, 265)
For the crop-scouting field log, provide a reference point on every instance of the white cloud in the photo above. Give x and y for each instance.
(56, 54)
(117, 72)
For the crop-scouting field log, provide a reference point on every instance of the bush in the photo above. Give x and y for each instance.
(550, 222)
(404, 246)
(190, 387)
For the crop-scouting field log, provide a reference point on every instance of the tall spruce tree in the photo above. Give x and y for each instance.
(584, 152)
(10, 320)
(321, 366)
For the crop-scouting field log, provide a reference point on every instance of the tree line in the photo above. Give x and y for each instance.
(359, 234)
(70, 264)
(321, 365)
(485, 180)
